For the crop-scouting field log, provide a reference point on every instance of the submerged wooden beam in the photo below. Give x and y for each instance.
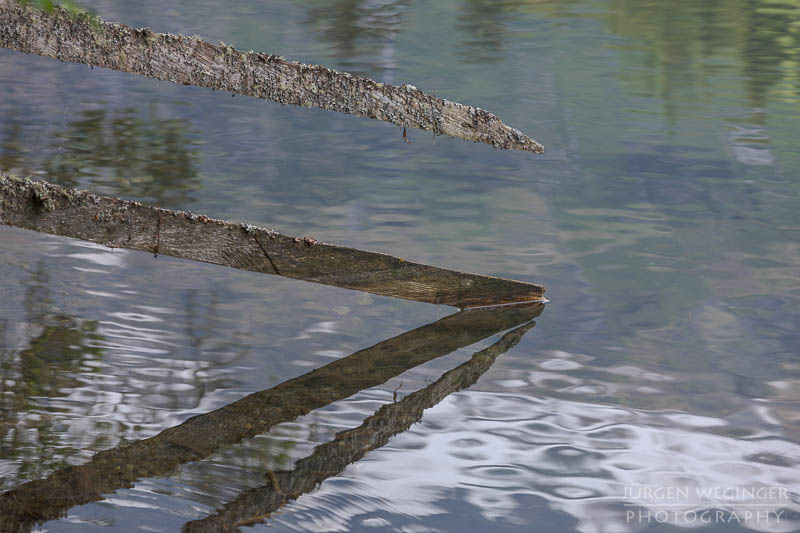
(82, 38)
(329, 459)
(202, 435)
(41, 206)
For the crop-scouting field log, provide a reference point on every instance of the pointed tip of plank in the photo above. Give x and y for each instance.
(479, 125)
(520, 141)
(508, 138)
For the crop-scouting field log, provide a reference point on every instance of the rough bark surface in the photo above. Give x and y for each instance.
(203, 435)
(329, 459)
(192, 61)
(44, 207)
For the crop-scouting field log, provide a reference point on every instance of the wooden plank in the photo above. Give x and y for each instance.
(255, 505)
(41, 206)
(82, 38)
(203, 435)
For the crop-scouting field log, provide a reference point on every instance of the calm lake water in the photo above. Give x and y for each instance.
(659, 390)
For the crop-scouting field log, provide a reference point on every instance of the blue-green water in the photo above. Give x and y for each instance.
(664, 220)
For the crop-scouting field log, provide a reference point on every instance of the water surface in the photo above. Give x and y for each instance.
(663, 220)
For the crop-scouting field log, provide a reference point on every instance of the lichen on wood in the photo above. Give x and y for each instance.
(61, 34)
(41, 206)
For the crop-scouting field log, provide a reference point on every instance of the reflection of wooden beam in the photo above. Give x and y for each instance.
(349, 446)
(191, 61)
(118, 223)
(202, 435)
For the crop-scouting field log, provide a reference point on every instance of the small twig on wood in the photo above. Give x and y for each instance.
(81, 38)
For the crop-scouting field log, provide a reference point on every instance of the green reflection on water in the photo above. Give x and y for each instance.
(685, 40)
(717, 72)
(123, 152)
(57, 350)
(355, 28)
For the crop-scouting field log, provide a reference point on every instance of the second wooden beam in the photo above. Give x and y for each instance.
(41, 206)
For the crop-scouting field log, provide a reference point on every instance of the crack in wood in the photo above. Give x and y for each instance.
(158, 236)
(271, 262)
(108, 220)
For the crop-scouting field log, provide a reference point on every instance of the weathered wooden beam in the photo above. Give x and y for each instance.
(41, 206)
(329, 459)
(81, 38)
(203, 435)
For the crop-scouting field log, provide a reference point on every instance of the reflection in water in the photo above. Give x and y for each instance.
(684, 38)
(202, 435)
(485, 23)
(362, 32)
(59, 347)
(512, 459)
(119, 153)
(146, 158)
(12, 147)
(771, 49)
(666, 228)
(349, 446)
(693, 218)
(33, 377)
(71, 386)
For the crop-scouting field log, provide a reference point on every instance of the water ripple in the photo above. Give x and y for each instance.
(586, 460)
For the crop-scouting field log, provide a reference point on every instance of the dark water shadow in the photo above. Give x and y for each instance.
(331, 458)
(200, 436)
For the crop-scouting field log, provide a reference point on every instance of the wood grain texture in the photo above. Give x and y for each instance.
(41, 206)
(192, 61)
(203, 435)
